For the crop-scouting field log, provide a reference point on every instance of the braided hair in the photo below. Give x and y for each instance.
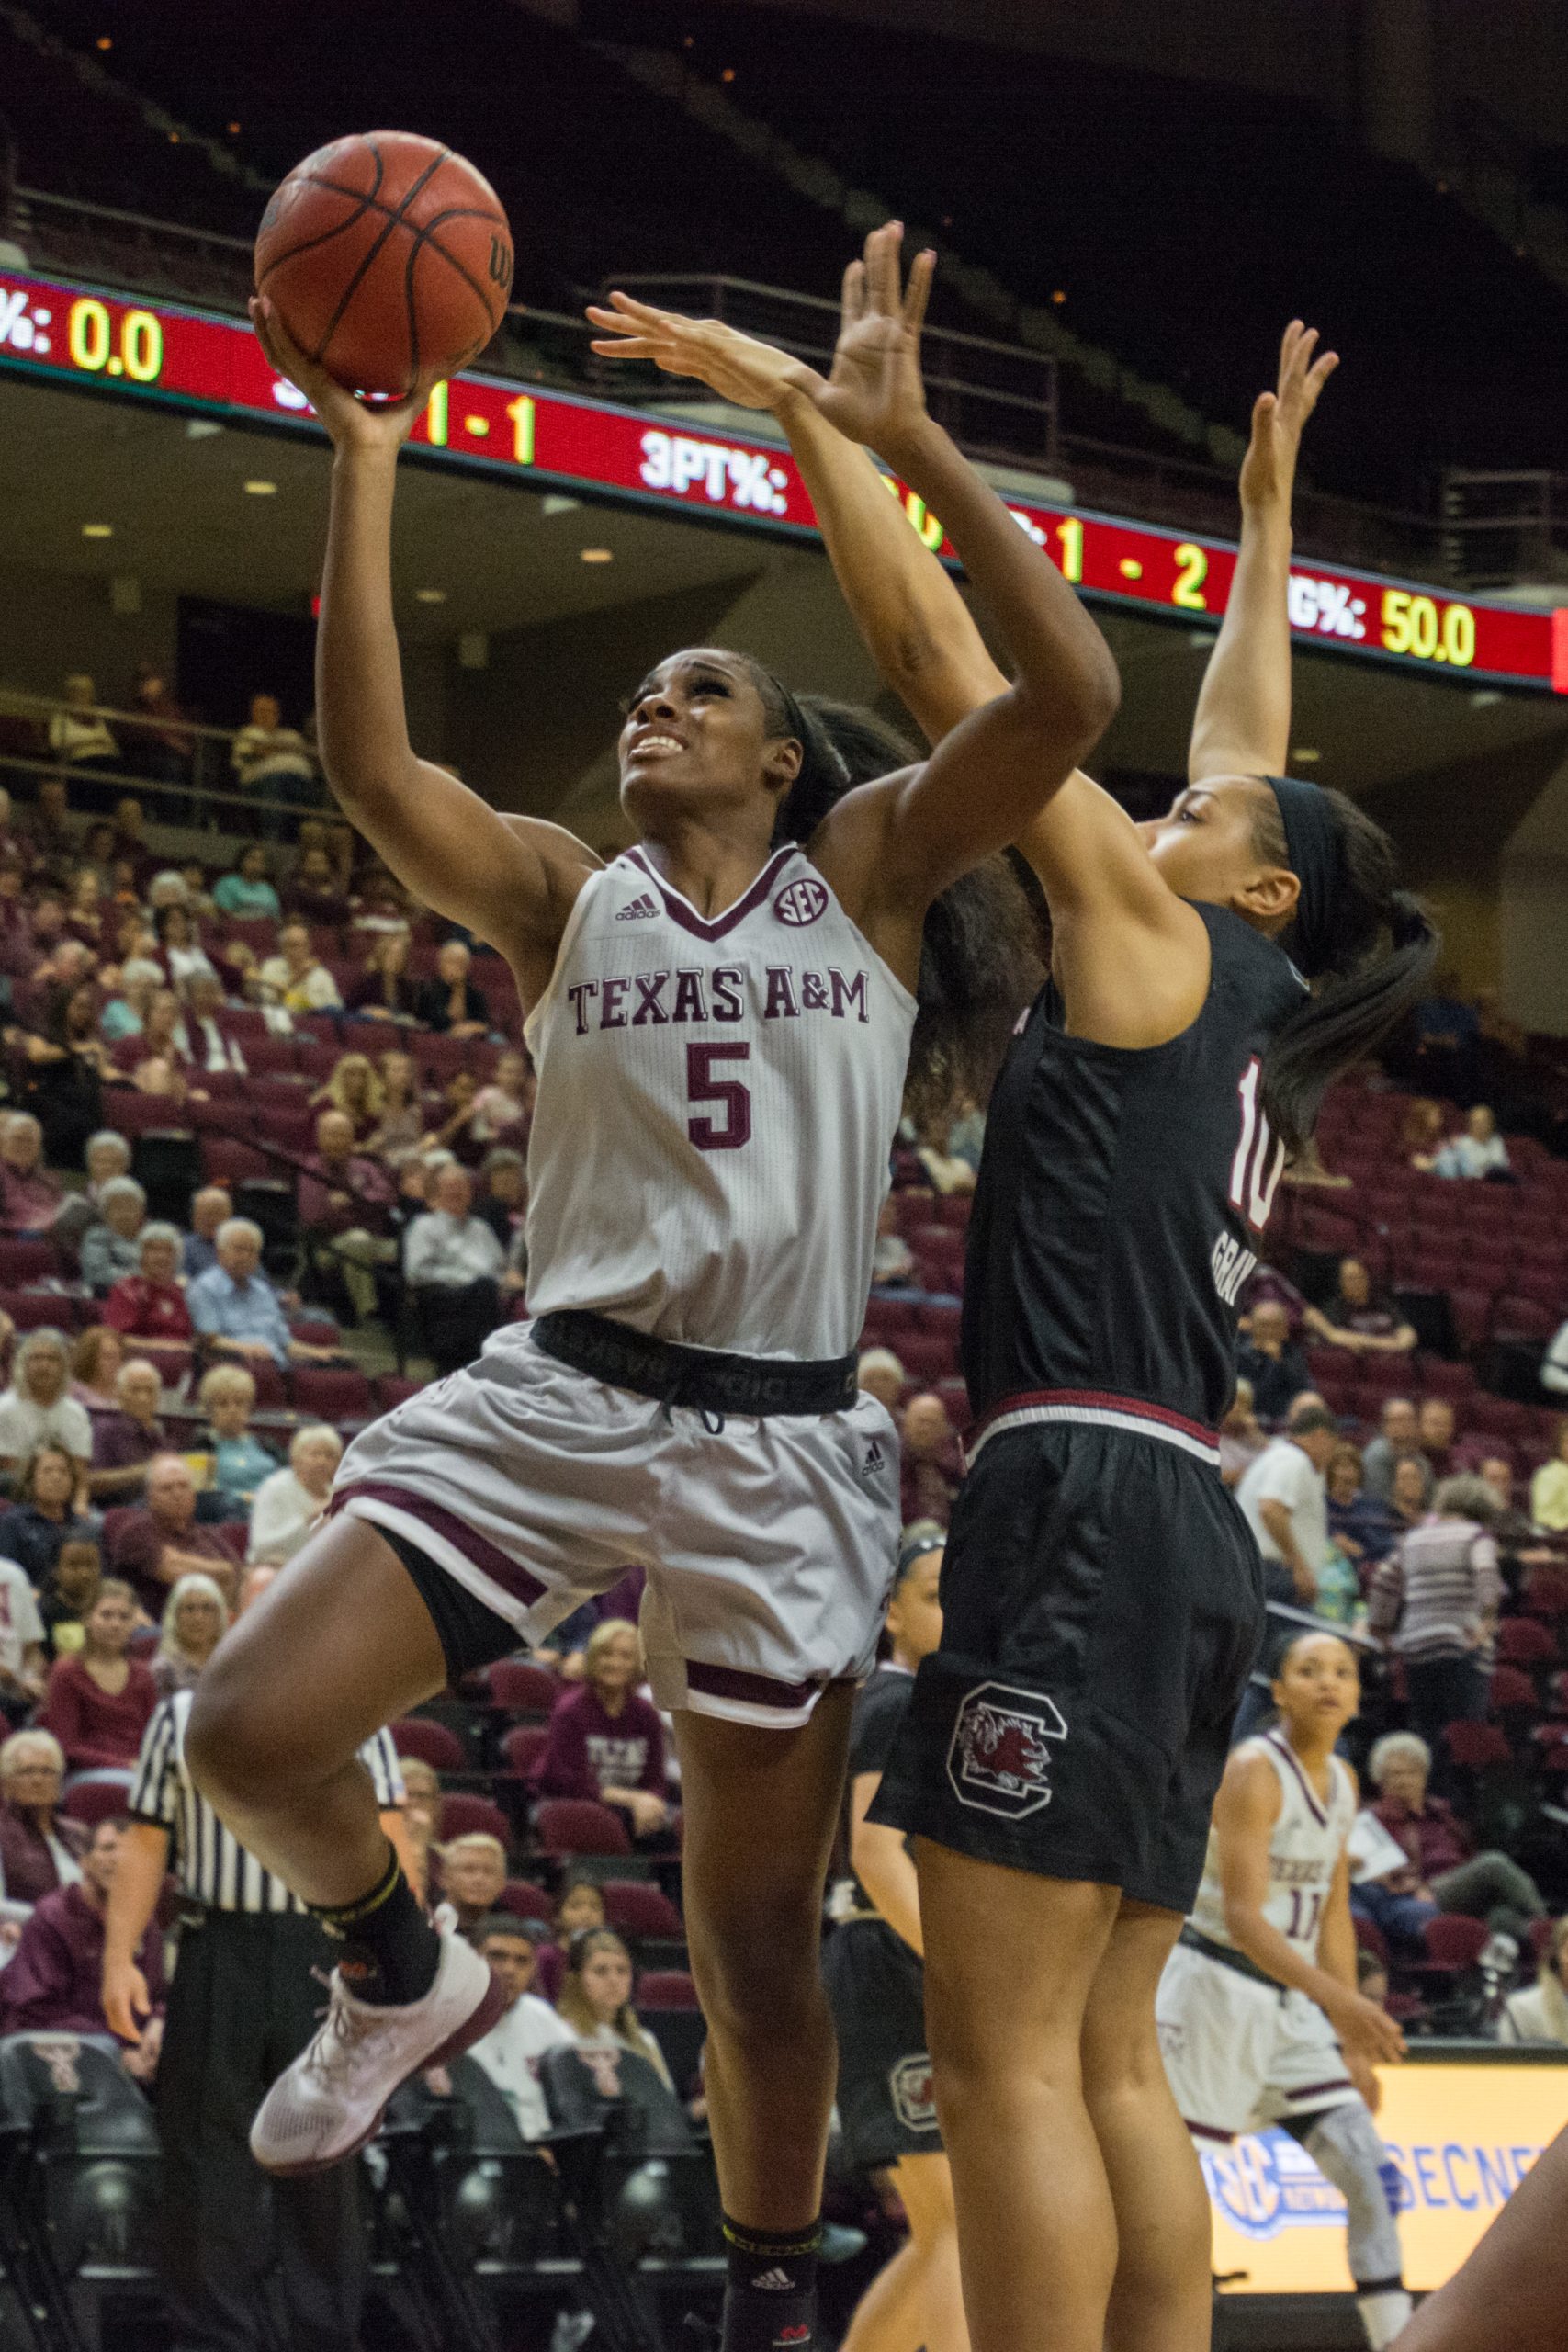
(980, 961)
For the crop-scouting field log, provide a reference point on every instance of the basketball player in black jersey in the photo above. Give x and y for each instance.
(1212, 975)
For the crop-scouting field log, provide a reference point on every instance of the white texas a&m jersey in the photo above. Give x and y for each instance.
(1303, 1852)
(716, 1106)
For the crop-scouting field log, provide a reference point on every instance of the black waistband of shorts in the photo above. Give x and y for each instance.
(1228, 1957)
(701, 1377)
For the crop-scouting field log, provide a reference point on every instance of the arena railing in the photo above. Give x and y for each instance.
(199, 802)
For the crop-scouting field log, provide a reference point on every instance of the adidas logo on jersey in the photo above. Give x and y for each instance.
(873, 1458)
(639, 910)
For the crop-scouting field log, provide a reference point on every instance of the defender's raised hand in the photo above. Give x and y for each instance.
(1268, 470)
(873, 393)
(737, 366)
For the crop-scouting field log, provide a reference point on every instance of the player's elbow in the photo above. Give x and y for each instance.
(1072, 709)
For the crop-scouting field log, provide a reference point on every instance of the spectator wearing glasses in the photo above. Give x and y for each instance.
(40, 1847)
(37, 1409)
(196, 1618)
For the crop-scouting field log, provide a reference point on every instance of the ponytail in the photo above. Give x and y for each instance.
(980, 961)
(1377, 950)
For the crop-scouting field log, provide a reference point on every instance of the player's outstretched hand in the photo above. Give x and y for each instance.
(734, 365)
(874, 392)
(1269, 468)
(351, 422)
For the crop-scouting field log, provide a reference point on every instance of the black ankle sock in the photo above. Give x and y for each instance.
(389, 1951)
(771, 2298)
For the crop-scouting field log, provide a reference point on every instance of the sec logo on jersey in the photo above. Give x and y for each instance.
(801, 902)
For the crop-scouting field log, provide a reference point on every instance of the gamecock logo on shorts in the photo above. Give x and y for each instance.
(910, 2084)
(799, 903)
(999, 1761)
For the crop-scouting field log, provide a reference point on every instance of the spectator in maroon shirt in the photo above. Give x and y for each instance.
(931, 1467)
(39, 1847)
(1445, 1873)
(339, 1188)
(155, 1547)
(124, 1440)
(17, 954)
(98, 1700)
(606, 1741)
(54, 1981)
(29, 1195)
(150, 1307)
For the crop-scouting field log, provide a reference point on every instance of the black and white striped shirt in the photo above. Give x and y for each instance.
(212, 1864)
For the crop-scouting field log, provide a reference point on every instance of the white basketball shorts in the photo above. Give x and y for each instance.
(770, 1544)
(1238, 2056)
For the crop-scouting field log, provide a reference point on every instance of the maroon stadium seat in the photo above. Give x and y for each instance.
(520, 1688)
(226, 1161)
(566, 1825)
(524, 1900)
(434, 1744)
(524, 1746)
(1369, 1936)
(394, 1388)
(325, 1393)
(667, 1989)
(1453, 1941)
(24, 1260)
(463, 1815)
(91, 1802)
(1476, 1746)
(1511, 1692)
(1523, 1642)
(635, 1907)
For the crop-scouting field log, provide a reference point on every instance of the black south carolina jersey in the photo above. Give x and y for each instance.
(1122, 1197)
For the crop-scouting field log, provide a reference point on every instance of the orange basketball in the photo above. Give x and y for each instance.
(386, 254)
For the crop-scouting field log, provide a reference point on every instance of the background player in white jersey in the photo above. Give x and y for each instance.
(716, 1105)
(1259, 2019)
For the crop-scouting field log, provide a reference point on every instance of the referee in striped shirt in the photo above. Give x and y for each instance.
(246, 1997)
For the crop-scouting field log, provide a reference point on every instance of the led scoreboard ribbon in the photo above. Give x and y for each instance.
(88, 335)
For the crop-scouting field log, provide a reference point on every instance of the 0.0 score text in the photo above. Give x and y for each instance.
(136, 352)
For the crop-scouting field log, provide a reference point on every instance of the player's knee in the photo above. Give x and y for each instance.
(234, 1743)
(757, 1967)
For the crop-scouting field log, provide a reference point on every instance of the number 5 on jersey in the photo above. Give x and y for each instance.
(707, 1134)
(1260, 1160)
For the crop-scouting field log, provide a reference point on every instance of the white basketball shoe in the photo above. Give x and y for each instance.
(327, 2104)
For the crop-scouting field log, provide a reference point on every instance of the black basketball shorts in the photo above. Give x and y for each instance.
(1102, 1602)
(877, 1989)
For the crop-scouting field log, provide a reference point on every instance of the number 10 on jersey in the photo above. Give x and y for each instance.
(1260, 1160)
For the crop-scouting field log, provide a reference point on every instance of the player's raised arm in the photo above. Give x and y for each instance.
(511, 879)
(1242, 721)
(918, 629)
(908, 839)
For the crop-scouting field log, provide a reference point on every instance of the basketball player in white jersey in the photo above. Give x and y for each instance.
(1259, 2019)
(721, 1020)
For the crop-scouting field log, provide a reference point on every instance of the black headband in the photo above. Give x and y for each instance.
(925, 1535)
(1312, 851)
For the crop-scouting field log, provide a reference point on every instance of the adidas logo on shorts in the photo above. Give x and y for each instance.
(779, 2280)
(639, 910)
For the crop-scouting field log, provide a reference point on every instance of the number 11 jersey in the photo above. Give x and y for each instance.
(718, 1098)
(1122, 1197)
